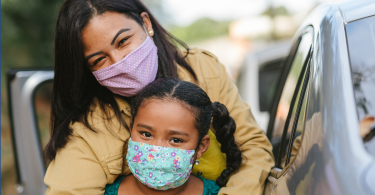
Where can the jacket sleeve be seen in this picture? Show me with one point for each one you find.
(255, 146)
(75, 170)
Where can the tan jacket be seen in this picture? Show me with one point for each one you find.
(91, 160)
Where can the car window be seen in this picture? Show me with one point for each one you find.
(294, 126)
(290, 86)
(269, 75)
(297, 120)
(361, 42)
(42, 105)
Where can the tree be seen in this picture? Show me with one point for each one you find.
(201, 29)
(276, 11)
(27, 32)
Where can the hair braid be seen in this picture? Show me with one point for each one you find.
(225, 128)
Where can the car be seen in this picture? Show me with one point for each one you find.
(27, 90)
(325, 93)
(318, 96)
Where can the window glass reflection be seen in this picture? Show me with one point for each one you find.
(290, 85)
(361, 41)
(296, 140)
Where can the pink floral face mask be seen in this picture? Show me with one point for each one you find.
(129, 75)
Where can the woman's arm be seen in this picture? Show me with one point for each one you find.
(75, 170)
(255, 146)
(90, 160)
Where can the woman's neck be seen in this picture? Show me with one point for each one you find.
(131, 185)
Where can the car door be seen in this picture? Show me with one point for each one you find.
(29, 93)
(288, 113)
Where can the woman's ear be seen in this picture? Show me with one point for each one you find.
(147, 23)
(203, 146)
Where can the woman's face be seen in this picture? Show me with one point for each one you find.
(109, 37)
(169, 124)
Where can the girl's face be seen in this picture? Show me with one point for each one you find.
(111, 36)
(169, 124)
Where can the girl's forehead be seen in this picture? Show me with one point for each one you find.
(167, 106)
(164, 115)
(169, 100)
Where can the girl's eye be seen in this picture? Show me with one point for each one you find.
(122, 41)
(97, 61)
(146, 134)
(176, 140)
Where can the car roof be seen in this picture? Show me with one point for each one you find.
(356, 9)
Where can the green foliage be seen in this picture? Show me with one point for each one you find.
(276, 11)
(27, 29)
(201, 29)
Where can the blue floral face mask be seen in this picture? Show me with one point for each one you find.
(159, 167)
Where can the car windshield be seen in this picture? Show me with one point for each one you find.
(361, 41)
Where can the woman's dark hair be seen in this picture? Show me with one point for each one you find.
(192, 96)
(74, 86)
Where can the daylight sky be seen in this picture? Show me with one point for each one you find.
(185, 12)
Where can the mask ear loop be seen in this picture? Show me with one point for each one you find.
(147, 32)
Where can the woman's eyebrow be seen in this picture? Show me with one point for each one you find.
(113, 41)
(92, 55)
(118, 33)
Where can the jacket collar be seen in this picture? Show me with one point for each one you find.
(123, 105)
(183, 74)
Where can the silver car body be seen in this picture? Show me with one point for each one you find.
(26, 142)
(331, 119)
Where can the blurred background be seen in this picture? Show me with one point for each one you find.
(233, 30)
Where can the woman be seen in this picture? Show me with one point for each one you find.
(94, 41)
(170, 122)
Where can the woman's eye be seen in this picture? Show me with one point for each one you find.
(122, 41)
(146, 134)
(97, 61)
(176, 140)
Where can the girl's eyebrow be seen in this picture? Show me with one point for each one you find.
(145, 126)
(174, 132)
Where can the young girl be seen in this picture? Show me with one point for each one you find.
(170, 122)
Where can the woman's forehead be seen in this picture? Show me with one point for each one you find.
(105, 26)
